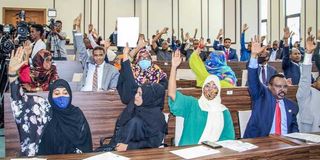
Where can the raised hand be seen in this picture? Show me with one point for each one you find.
(176, 59)
(90, 28)
(309, 31)
(310, 44)
(256, 48)
(107, 44)
(292, 34)
(245, 27)
(164, 30)
(263, 38)
(141, 43)
(219, 34)
(286, 33)
(126, 51)
(16, 61)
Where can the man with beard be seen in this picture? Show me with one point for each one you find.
(272, 113)
(265, 71)
(291, 60)
(163, 54)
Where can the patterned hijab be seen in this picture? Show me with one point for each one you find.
(39, 74)
(151, 75)
(216, 64)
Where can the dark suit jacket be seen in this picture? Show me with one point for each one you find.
(263, 109)
(271, 71)
(279, 53)
(232, 53)
(290, 69)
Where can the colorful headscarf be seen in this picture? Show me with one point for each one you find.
(216, 64)
(41, 76)
(142, 52)
(151, 75)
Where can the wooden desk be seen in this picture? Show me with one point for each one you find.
(272, 147)
(102, 109)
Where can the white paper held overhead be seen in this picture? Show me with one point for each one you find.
(128, 31)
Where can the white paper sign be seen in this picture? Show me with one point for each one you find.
(128, 31)
(194, 152)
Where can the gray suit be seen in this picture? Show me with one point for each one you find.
(309, 103)
(110, 73)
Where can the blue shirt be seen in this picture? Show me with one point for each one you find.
(284, 128)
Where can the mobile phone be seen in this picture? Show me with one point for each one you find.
(211, 144)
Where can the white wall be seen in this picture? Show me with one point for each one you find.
(206, 15)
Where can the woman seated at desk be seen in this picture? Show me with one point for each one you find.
(52, 126)
(142, 123)
(205, 119)
(214, 65)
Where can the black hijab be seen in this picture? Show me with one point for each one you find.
(68, 131)
(150, 111)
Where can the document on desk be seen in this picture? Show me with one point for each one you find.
(237, 145)
(305, 136)
(194, 152)
(107, 156)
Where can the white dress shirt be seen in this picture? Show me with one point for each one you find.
(273, 55)
(89, 79)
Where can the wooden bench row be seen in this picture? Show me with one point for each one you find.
(102, 109)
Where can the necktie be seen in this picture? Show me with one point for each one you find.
(95, 79)
(227, 54)
(278, 119)
(263, 72)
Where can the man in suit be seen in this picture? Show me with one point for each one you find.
(308, 96)
(265, 71)
(230, 53)
(272, 112)
(291, 60)
(275, 52)
(97, 74)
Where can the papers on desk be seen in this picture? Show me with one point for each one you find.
(107, 156)
(194, 152)
(305, 136)
(237, 145)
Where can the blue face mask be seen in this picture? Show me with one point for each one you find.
(144, 64)
(62, 102)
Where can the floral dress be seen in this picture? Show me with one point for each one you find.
(32, 114)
